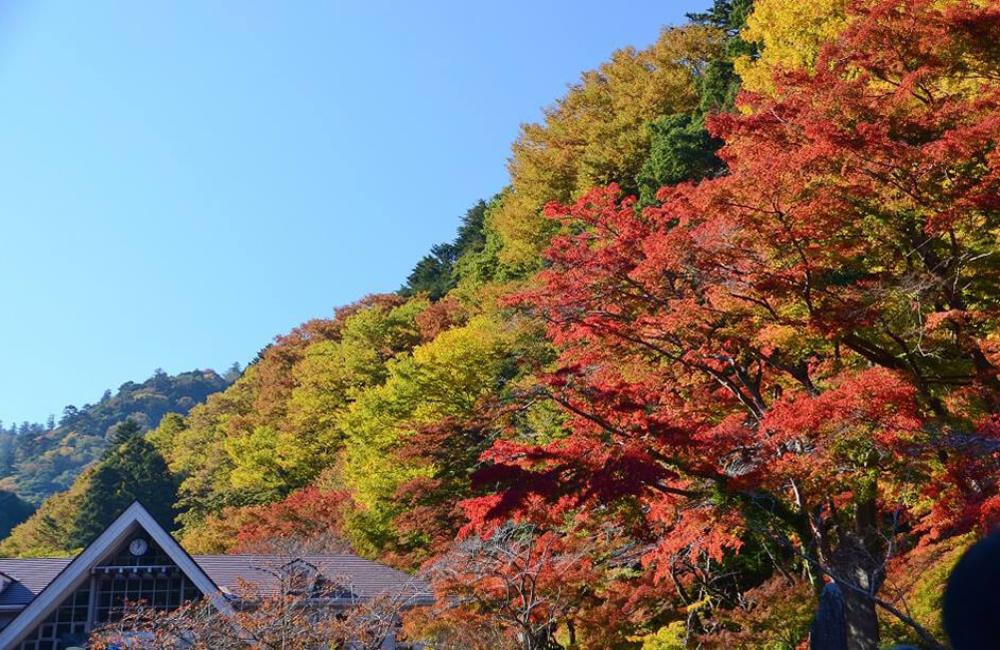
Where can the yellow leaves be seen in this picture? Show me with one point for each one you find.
(455, 369)
(322, 383)
(791, 34)
(216, 535)
(374, 335)
(244, 441)
(256, 459)
(196, 448)
(442, 379)
(669, 637)
(47, 532)
(789, 340)
(700, 605)
(597, 133)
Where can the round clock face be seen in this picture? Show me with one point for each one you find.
(138, 547)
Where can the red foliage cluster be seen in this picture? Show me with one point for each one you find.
(796, 354)
(440, 316)
(311, 517)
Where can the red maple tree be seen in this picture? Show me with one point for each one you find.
(799, 356)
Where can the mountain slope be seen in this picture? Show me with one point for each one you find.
(37, 464)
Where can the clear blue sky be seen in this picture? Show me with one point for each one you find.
(181, 180)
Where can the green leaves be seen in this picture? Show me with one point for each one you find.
(134, 472)
(680, 149)
(438, 273)
(443, 379)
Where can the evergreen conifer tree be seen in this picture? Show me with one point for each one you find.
(135, 471)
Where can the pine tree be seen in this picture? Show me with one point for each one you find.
(135, 471)
(7, 457)
(124, 432)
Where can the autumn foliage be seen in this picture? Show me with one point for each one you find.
(795, 357)
(604, 419)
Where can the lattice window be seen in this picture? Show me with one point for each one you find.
(150, 579)
(161, 589)
(65, 627)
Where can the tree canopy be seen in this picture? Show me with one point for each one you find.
(727, 342)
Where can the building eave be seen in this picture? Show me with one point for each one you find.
(78, 571)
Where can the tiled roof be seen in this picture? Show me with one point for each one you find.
(363, 577)
(29, 577)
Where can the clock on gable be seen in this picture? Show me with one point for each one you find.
(138, 547)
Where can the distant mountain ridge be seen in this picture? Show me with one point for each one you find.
(37, 461)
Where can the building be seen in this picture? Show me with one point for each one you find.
(53, 604)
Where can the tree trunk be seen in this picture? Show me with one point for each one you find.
(829, 629)
(861, 621)
(846, 619)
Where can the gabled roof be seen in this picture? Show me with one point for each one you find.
(77, 571)
(28, 577)
(364, 578)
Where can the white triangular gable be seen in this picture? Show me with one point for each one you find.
(77, 572)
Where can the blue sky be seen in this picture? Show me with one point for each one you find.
(181, 181)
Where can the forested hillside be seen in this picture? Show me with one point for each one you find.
(38, 460)
(729, 334)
